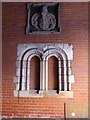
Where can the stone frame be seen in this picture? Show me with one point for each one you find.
(63, 52)
(33, 8)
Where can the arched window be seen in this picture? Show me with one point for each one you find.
(44, 67)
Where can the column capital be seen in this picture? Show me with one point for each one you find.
(59, 59)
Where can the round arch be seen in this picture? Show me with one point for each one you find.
(25, 65)
(55, 52)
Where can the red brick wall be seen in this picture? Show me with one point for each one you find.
(74, 30)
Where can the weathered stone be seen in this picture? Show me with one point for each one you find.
(64, 53)
(42, 18)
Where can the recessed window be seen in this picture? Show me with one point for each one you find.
(53, 74)
(35, 74)
(44, 70)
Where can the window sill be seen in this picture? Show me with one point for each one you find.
(48, 93)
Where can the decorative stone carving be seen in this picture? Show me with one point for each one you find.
(64, 54)
(43, 18)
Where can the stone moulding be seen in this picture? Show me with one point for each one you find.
(64, 54)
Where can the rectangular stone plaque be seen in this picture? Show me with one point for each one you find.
(43, 18)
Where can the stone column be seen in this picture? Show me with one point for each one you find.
(42, 75)
(28, 75)
(59, 70)
(46, 75)
(69, 73)
(65, 76)
(23, 84)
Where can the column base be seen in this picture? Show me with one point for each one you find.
(40, 91)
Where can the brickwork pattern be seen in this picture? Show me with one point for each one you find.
(74, 30)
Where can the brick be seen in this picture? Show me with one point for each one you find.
(74, 30)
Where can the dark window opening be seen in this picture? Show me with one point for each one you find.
(35, 73)
(53, 73)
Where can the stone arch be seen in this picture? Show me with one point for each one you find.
(64, 54)
(58, 53)
(62, 63)
(25, 67)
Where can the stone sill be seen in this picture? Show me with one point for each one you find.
(20, 118)
(46, 93)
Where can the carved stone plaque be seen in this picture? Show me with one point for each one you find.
(43, 17)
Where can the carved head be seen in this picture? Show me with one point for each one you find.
(44, 10)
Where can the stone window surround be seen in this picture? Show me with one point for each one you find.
(63, 52)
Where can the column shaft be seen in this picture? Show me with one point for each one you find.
(46, 75)
(23, 84)
(59, 70)
(65, 76)
(42, 75)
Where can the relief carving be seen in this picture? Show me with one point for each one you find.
(43, 20)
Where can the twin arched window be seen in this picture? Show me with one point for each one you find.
(42, 68)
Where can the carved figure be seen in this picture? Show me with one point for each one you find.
(44, 20)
